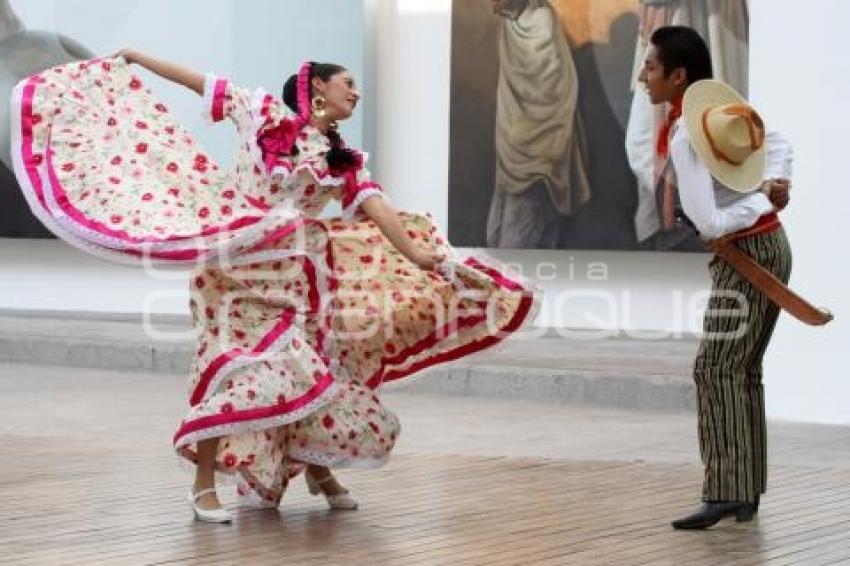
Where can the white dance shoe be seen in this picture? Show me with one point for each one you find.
(219, 515)
(342, 501)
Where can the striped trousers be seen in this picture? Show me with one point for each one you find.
(738, 324)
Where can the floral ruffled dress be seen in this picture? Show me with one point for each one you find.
(300, 320)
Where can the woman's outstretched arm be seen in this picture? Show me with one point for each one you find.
(386, 217)
(181, 75)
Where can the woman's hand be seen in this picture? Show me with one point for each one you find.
(387, 219)
(128, 54)
(165, 69)
(427, 260)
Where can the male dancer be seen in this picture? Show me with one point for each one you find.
(724, 25)
(716, 154)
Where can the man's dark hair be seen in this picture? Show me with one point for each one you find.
(680, 46)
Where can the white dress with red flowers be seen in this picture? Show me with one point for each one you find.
(300, 319)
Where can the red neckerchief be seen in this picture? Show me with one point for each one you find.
(662, 144)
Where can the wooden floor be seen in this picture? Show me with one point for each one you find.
(75, 502)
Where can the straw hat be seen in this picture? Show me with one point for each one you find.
(726, 133)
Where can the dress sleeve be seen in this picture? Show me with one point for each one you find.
(355, 194)
(223, 99)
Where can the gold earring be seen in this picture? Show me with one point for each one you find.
(318, 106)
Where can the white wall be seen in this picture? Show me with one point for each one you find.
(798, 74)
(800, 78)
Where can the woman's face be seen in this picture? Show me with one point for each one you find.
(340, 94)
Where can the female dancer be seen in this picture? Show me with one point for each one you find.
(299, 319)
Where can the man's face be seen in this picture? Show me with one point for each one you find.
(662, 88)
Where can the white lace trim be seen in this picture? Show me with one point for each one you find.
(269, 255)
(280, 215)
(336, 460)
(524, 282)
(288, 175)
(311, 155)
(350, 210)
(204, 244)
(114, 249)
(95, 237)
(207, 246)
(28, 189)
(257, 103)
(210, 80)
(527, 284)
(449, 269)
(258, 424)
(248, 359)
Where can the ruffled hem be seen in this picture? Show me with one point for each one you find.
(430, 352)
(409, 371)
(319, 399)
(238, 477)
(336, 461)
(312, 163)
(286, 171)
(246, 360)
(45, 195)
(48, 198)
(31, 189)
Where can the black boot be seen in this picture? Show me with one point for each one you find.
(748, 511)
(713, 511)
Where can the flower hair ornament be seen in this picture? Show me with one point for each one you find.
(279, 140)
(303, 89)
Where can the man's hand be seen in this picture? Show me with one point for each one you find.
(778, 191)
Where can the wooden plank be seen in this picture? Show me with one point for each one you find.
(79, 503)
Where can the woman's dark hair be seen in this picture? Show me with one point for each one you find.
(322, 70)
(680, 46)
(339, 157)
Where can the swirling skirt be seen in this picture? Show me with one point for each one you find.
(299, 323)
